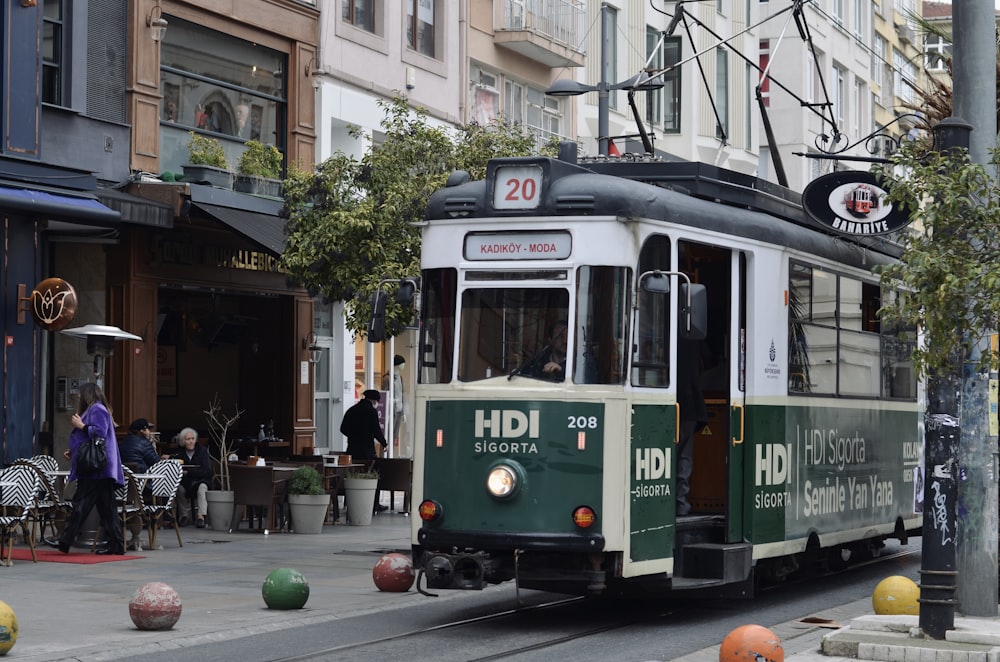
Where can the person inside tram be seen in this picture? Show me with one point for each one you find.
(550, 362)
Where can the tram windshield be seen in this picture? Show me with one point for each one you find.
(517, 329)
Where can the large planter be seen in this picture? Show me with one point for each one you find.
(359, 497)
(206, 174)
(220, 509)
(258, 185)
(308, 512)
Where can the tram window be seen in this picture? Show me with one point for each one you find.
(601, 324)
(504, 329)
(437, 325)
(650, 361)
(899, 380)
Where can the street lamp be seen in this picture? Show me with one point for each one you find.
(571, 88)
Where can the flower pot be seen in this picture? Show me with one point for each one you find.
(258, 185)
(359, 497)
(206, 174)
(220, 509)
(308, 512)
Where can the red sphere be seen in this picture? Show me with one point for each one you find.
(155, 606)
(751, 643)
(393, 573)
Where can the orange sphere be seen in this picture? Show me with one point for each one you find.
(393, 573)
(751, 643)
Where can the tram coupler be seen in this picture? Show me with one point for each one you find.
(458, 571)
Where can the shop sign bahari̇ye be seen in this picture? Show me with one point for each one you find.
(852, 203)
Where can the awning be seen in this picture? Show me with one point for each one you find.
(137, 210)
(266, 230)
(59, 205)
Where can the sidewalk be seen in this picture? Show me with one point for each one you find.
(80, 612)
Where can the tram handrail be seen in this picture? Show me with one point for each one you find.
(742, 429)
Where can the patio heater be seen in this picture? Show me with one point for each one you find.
(101, 343)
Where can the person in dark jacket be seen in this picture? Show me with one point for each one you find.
(694, 415)
(197, 476)
(136, 447)
(138, 454)
(93, 418)
(362, 428)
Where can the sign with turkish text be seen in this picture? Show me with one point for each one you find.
(852, 203)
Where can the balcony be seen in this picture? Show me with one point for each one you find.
(546, 31)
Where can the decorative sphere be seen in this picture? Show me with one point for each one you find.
(155, 606)
(393, 573)
(8, 628)
(896, 595)
(750, 643)
(285, 588)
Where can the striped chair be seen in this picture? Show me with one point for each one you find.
(51, 509)
(164, 497)
(19, 485)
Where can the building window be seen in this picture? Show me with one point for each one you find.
(809, 93)
(533, 109)
(672, 85)
(52, 52)
(838, 92)
(937, 52)
(654, 58)
(905, 73)
(861, 9)
(220, 86)
(420, 15)
(764, 58)
(837, 9)
(722, 92)
(359, 13)
(860, 101)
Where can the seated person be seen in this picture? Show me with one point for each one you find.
(197, 476)
(137, 453)
(550, 362)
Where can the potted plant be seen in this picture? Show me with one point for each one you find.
(220, 501)
(207, 161)
(359, 496)
(307, 500)
(259, 170)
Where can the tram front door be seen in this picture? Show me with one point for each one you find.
(717, 477)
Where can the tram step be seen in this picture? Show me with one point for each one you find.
(729, 562)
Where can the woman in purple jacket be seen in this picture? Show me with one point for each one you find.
(93, 419)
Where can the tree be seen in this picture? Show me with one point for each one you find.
(351, 223)
(949, 273)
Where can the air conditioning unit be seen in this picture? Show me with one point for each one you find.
(906, 34)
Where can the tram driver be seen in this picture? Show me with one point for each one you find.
(550, 362)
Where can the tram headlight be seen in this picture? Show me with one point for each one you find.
(504, 479)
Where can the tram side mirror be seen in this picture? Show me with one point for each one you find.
(657, 283)
(693, 318)
(376, 324)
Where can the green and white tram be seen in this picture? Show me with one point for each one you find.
(566, 480)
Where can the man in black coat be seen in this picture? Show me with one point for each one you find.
(136, 448)
(361, 427)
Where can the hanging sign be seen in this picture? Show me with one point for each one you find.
(53, 304)
(852, 203)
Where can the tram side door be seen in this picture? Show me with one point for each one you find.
(717, 475)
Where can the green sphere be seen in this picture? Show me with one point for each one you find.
(285, 588)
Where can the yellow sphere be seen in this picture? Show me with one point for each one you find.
(8, 628)
(896, 595)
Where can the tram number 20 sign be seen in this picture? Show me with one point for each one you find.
(517, 187)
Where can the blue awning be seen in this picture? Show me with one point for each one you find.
(62, 206)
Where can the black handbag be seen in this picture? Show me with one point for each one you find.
(92, 456)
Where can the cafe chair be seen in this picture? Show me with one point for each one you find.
(51, 510)
(19, 485)
(164, 497)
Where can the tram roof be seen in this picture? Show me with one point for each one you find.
(620, 187)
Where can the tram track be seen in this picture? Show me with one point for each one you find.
(628, 619)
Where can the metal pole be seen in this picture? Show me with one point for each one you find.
(603, 101)
(974, 99)
(942, 433)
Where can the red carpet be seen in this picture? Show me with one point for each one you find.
(74, 556)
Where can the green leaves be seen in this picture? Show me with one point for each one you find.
(950, 269)
(351, 223)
